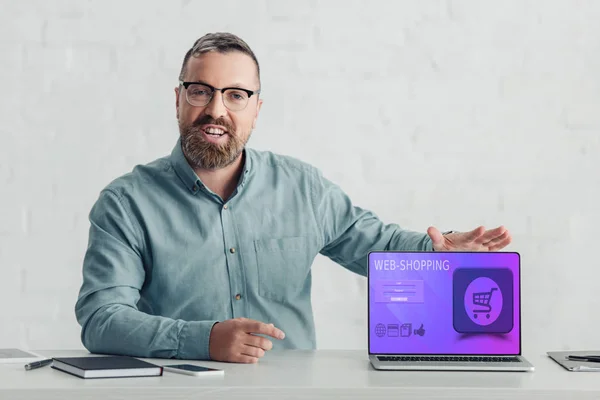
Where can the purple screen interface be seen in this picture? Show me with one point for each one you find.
(444, 303)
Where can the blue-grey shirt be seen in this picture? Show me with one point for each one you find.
(167, 258)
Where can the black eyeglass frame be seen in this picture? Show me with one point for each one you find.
(222, 90)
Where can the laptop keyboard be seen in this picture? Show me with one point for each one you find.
(494, 359)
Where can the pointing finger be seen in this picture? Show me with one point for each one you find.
(265, 329)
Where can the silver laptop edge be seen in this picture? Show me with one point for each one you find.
(521, 366)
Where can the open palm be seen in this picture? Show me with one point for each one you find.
(478, 239)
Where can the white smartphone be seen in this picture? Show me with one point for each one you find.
(195, 370)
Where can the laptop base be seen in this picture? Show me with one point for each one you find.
(521, 365)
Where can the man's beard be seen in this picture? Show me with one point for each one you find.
(206, 155)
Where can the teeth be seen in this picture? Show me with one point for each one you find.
(214, 131)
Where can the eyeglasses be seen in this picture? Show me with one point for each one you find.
(200, 94)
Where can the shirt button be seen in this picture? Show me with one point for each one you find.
(225, 206)
(195, 188)
(232, 250)
(238, 296)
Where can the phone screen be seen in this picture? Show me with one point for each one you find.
(190, 367)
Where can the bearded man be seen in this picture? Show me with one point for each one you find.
(206, 253)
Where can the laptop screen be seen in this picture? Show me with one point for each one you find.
(444, 303)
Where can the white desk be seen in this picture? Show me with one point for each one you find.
(304, 375)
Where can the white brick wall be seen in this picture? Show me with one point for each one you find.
(453, 113)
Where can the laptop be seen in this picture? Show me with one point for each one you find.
(445, 311)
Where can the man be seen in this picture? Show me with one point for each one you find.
(206, 253)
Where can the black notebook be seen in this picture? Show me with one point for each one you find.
(106, 367)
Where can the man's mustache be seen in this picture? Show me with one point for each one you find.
(207, 119)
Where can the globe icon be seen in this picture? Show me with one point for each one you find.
(380, 330)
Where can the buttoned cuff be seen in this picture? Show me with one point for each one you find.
(194, 340)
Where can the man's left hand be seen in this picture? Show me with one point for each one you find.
(478, 239)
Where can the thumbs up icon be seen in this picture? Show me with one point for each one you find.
(420, 331)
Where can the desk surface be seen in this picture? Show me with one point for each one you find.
(302, 374)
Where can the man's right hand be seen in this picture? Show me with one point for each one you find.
(235, 340)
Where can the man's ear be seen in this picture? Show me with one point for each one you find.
(258, 106)
(177, 102)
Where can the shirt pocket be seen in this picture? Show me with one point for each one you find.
(283, 265)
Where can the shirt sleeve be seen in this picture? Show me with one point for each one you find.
(349, 232)
(113, 275)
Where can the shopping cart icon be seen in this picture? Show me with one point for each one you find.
(482, 299)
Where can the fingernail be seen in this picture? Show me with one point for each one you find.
(281, 335)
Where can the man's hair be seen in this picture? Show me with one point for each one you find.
(221, 42)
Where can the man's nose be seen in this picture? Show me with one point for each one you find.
(215, 108)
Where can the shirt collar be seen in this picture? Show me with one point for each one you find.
(187, 174)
